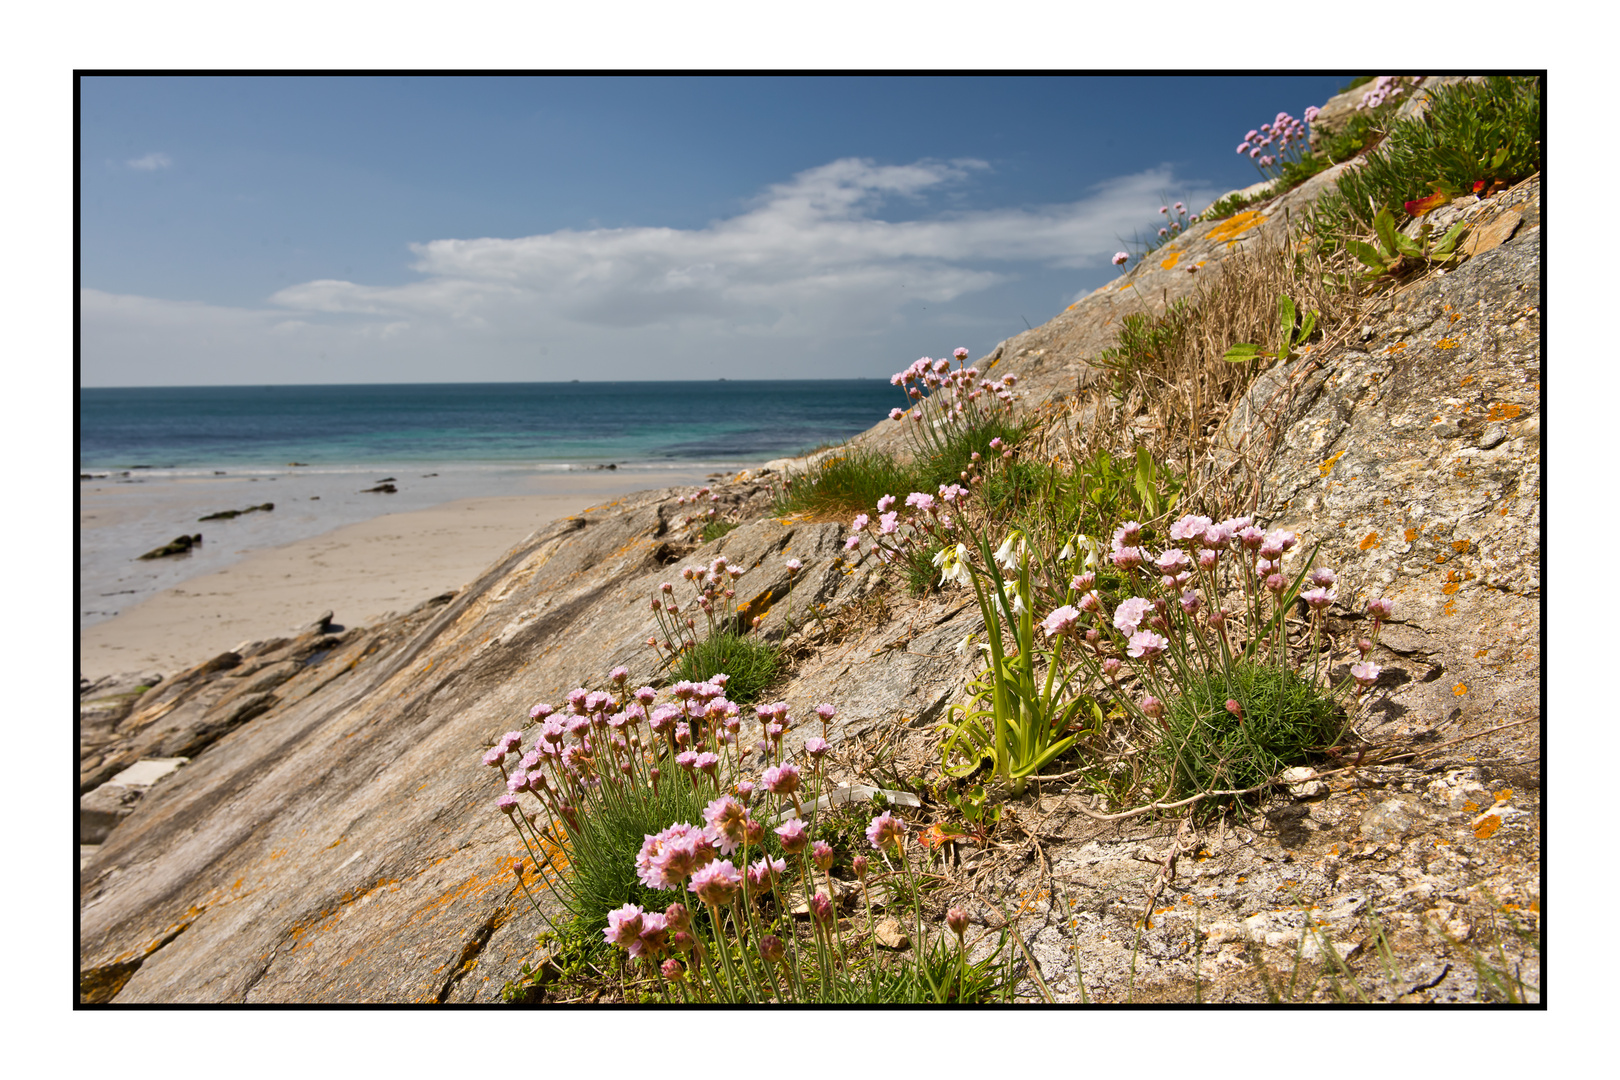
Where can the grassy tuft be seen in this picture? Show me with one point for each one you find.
(1286, 721)
(753, 665)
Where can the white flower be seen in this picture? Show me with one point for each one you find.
(1011, 552)
(952, 563)
(1017, 598)
(964, 645)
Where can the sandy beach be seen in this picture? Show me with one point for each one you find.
(359, 571)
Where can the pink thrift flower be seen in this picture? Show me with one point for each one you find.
(1380, 609)
(1317, 598)
(506, 804)
(781, 779)
(1173, 561)
(921, 500)
(653, 942)
(884, 504)
(511, 740)
(826, 711)
(1061, 621)
(619, 674)
(821, 908)
(885, 828)
(540, 712)
(624, 926)
(957, 920)
(816, 746)
(888, 523)
(765, 872)
(1324, 577)
(725, 817)
(1145, 645)
(1120, 258)
(821, 853)
(495, 757)
(1365, 673)
(1152, 707)
(1234, 708)
(1127, 558)
(717, 883)
(961, 354)
(1091, 603)
(792, 834)
(1189, 602)
(1110, 667)
(859, 523)
(1130, 613)
(771, 949)
(1083, 582)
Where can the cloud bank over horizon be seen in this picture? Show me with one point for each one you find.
(844, 270)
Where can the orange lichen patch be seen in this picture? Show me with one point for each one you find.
(1368, 541)
(1503, 411)
(1327, 466)
(1441, 558)
(1455, 317)
(1504, 795)
(1481, 652)
(1450, 587)
(1412, 533)
(1397, 347)
(1449, 608)
(1235, 226)
(1470, 807)
(1460, 546)
(1460, 689)
(1466, 380)
(1170, 263)
(1446, 343)
(1485, 828)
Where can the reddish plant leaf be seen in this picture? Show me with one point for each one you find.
(1419, 207)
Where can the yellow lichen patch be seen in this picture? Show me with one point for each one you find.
(1397, 347)
(1170, 263)
(1470, 807)
(1504, 795)
(1446, 343)
(1485, 828)
(1368, 541)
(1327, 466)
(1235, 226)
(1412, 534)
(1503, 411)
(1460, 689)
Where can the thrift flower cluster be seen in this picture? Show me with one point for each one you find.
(1283, 139)
(954, 391)
(1383, 88)
(713, 599)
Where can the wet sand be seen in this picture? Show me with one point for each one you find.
(360, 572)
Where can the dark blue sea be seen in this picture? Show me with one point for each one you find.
(182, 429)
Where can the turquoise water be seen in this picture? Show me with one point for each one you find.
(154, 460)
(630, 423)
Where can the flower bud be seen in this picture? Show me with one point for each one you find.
(957, 920)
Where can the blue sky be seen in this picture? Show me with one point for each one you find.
(381, 229)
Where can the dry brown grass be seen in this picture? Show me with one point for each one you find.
(1174, 396)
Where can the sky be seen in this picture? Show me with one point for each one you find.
(352, 229)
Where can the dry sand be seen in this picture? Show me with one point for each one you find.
(359, 572)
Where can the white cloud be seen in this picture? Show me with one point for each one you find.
(809, 266)
(151, 162)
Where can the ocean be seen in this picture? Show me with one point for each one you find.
(153, 460)
(195, 430)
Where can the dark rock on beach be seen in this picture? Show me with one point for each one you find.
(180, 545)
(386, 489)
(226, 515)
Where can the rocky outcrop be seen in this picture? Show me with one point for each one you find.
(333, 836)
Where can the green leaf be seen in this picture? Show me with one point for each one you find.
(1384, 223)
(1285, 327)
(1368, 254)
(1448, 242)
(1407, 246)
(1306, 328)
(1242, 353)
